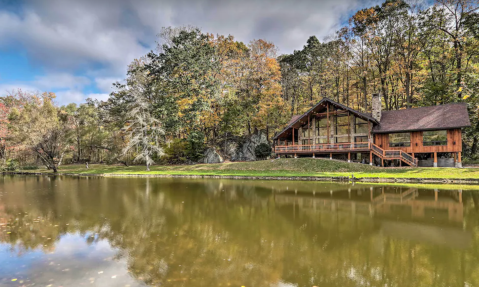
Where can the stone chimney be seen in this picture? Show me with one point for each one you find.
(376, 107)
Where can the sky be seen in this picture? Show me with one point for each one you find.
(77, 49)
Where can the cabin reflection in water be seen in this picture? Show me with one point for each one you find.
(430, 216)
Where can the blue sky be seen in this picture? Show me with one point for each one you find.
(77, 49)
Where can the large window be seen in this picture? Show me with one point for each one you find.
(305, 132)
(432, 138)
(305, 129)
(342, 140)
(361, 139)
(362, 126)
(400, 140)
(342, 126)
(322, 140)
(322, 127)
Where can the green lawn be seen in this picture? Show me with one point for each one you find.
(281, 167)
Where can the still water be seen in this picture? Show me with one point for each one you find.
(67, 231)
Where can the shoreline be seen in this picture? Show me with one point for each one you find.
(472, 181)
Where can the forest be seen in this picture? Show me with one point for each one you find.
(198, 90)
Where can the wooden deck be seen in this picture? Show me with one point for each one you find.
(324, 148)
(347, 148)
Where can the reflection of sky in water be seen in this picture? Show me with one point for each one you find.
(72, 262)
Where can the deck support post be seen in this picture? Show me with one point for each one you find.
(328, 125)
(435, 159)
(370, 158)
(330, 155)
(293, 136)
(314, 155)
(309, 129)
(295, 156)
(458, 162)
(349, 157)
(382, 162)
(349, 128)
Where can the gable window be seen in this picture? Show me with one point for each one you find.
(433, 138)
(400, 140)
(362, 126)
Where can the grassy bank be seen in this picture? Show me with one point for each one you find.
(281, 168)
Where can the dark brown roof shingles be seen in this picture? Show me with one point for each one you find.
(425, 118)
(293, 119)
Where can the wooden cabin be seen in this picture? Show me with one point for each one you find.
(426, 136)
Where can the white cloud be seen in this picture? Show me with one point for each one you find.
(100, 97)
(69, 96)
(75, 96)
(106, 84)
(5, 89)
(98, 39)
(61, 80)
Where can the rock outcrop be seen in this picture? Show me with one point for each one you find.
(245, 151)
(211, 156)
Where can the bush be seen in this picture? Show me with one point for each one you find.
(175, 152)
(262, 151)
(30, 167)
(11, 165)
(196, 146)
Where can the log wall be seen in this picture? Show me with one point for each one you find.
(454, 143)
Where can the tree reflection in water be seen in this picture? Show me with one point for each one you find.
(173, 232)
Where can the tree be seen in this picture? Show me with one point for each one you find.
(43, 128)
(4, 111)
(144, 131)
(183, 74)
(453, 17)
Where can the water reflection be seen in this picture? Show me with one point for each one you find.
(172, 232)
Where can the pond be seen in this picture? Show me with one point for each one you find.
(67, 231)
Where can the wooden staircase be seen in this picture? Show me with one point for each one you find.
(394, 154)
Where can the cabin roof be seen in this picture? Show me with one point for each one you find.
(425, 118)
(293, 119)
(297, 118)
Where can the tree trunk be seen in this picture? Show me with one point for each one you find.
(408, 93)
(458, 47)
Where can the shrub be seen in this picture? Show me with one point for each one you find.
(30, 167)
(262, 151)
(11, 165)
(176, 152)
(196, 146)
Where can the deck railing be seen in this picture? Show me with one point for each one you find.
(394, 154)
(360, 146)
(324, 147)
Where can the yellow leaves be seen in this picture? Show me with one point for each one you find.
(466, 97)
(460, 89)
